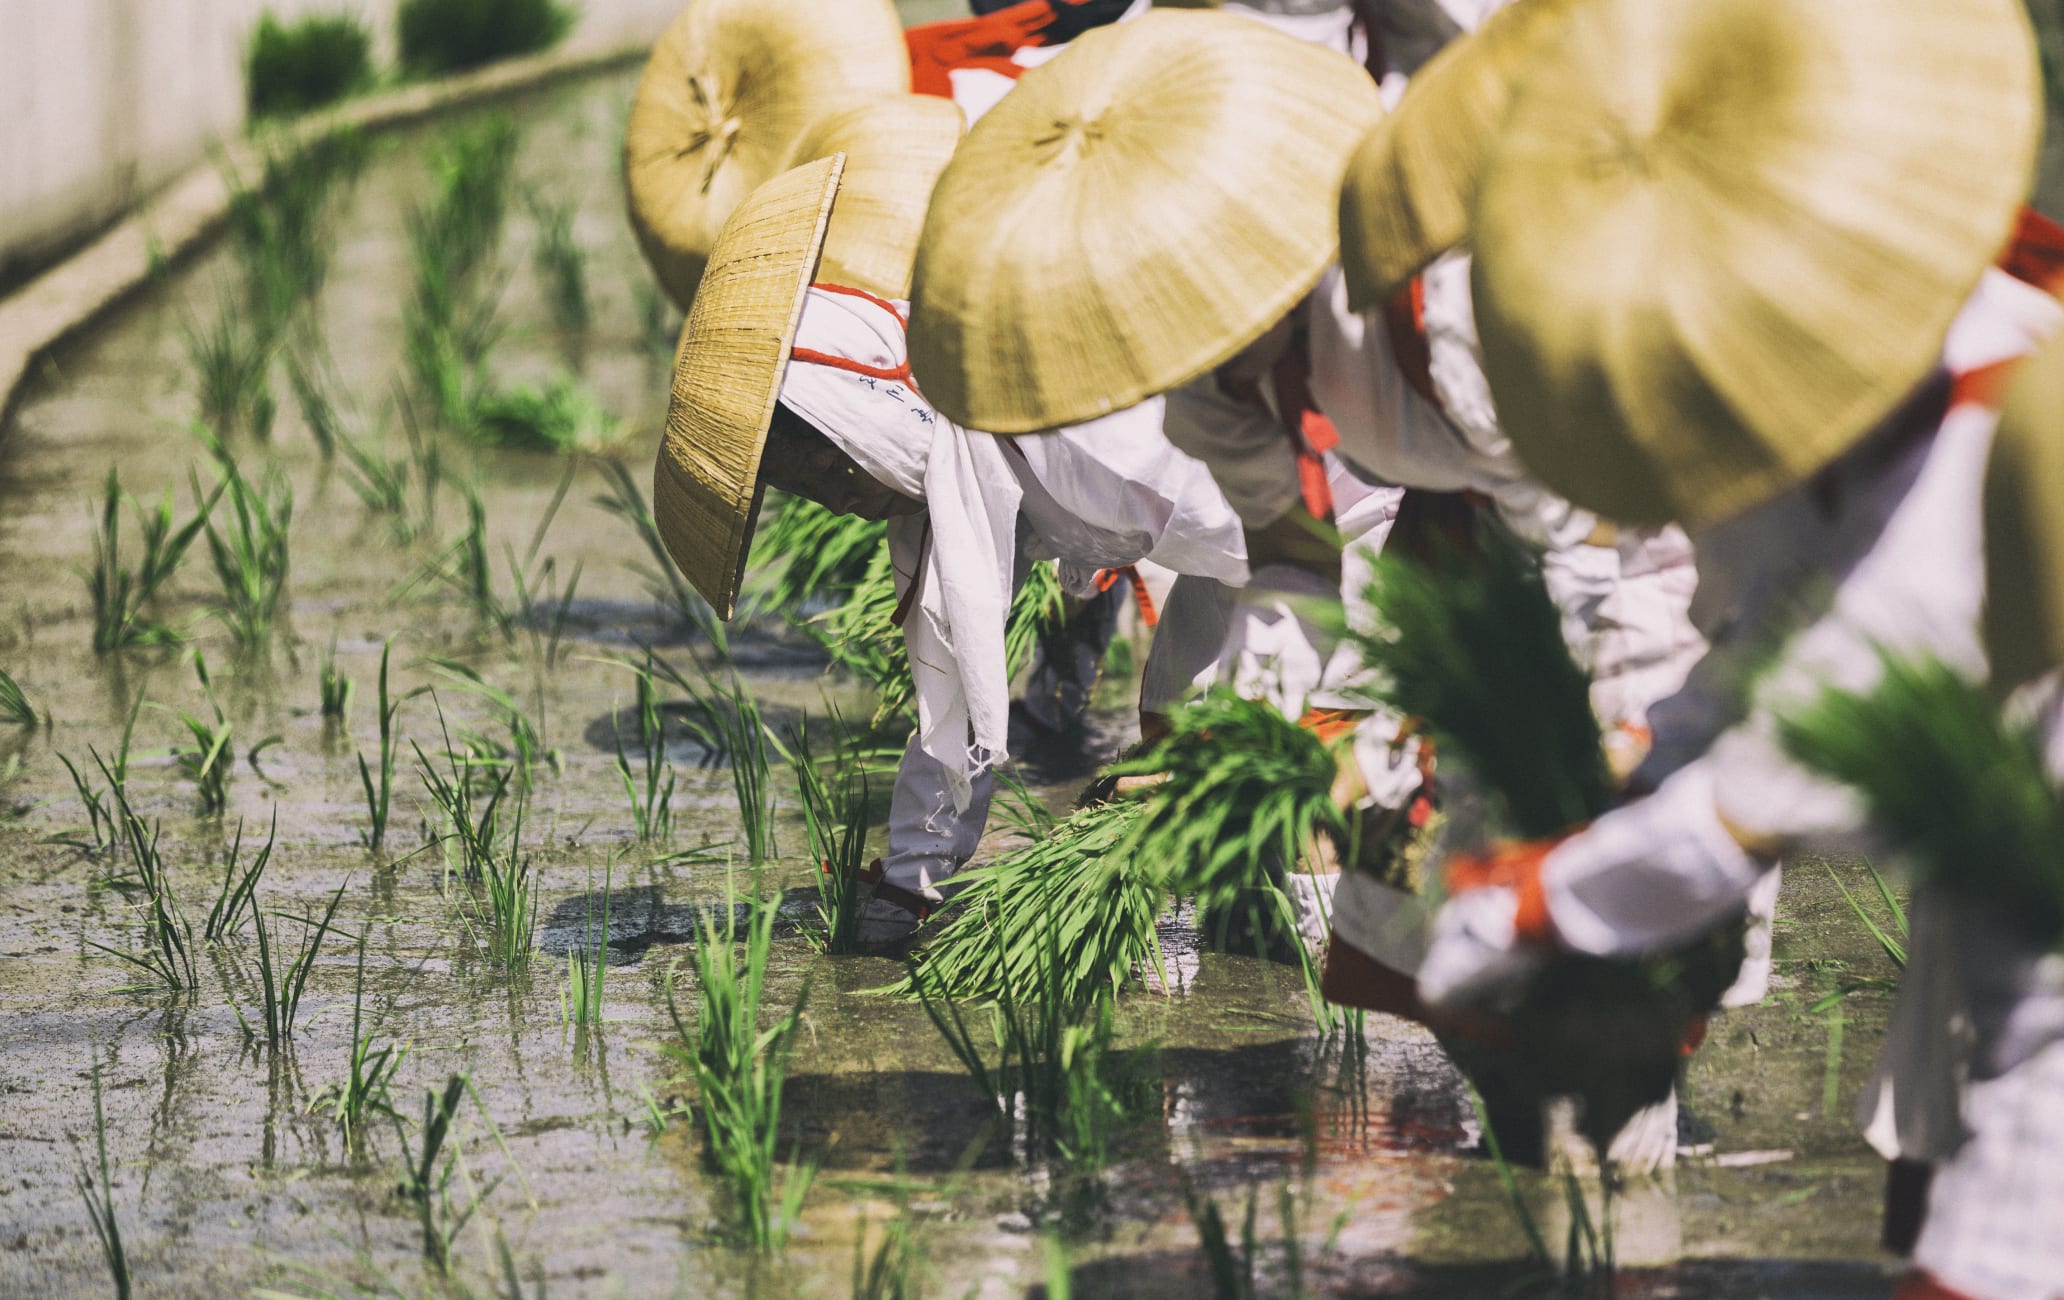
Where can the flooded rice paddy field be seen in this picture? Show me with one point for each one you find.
(229, 1173)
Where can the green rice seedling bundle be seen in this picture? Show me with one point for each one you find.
(1082, 896)
(312, 61)
(1963, 789)
(1247, 792)
(741, 1070)
(805, 555)
(1471, 644)
(1058, 1080)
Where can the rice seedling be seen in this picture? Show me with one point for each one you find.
(1232, 1272)
(1247, 794)
(318, 408)
(1472, 644)
(1963, 790)
(121, 595)
(167, 952)
(626, 501)
(210, 760)
(440, 36)
(835, 816)
(1019, 809)
(333, 689)
(805, 555)
(100, 817)
(97, 1188)
(1057, 1080)
(561, 263)
(465, 566)
(560, 417)
(1892, 935)
(744, 737)
(426, 1184)
(15, 709)
(367, 1090)
(659, 323)
(474, 822)
(315, 60)
(233, 364)
(740, 1070)
(380, 482)
(543, 605)
(587, 963)
(1081, 890)
(380, 794)
(651, 799)
(250, 552)
(238, 896)
(525, 747)
(1508, 1181)
(280, 986)
(281, 230)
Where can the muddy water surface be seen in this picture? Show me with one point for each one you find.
(228, 1176)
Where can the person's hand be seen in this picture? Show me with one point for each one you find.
(1493, 934)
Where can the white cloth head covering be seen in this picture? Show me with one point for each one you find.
(959, 552)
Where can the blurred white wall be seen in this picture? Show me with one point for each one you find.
(102, 101)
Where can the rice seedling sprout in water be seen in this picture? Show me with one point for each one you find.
(232, 363)
(626, 500)
(283, 978)
(122, 596)
(250, 551)
(835, 816)
(562, 264)
(96, 1187)
(650, 795)
(587, 962)
(168, 946)
(333, 688)
(559, 417)
(210, 760)
(366, 1091)
(15, 709)
(237, 898)
(428, 1171)
(740, 1070)
(379, 793)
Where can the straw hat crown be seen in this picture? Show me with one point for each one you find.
(2024, 527)
(1718, 240)
(1130, 215)
(895, 147)
(1411, 185)
(728, 91)
(727, 376)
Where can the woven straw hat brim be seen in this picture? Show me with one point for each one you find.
(1129, 216)
(1411, 185)
(727, 377)
(1717, 241)
(895, 148)
(728, 91)
(2024, 527)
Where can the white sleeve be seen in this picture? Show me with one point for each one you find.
(1245, 449)
(928, 840)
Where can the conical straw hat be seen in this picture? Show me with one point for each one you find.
(1412, 183)
(895, 147)
(2024, 527)
(1718, 240)
(728, 91)
(727, 376)
(1129, 216)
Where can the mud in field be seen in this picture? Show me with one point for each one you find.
(230, 1175)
